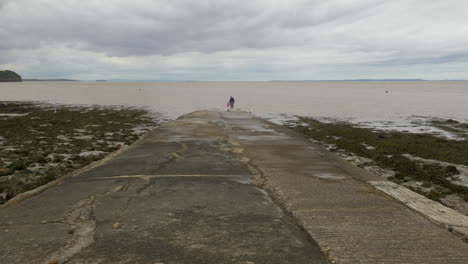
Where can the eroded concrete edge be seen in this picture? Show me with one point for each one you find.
(276, 195)
(432, 210)
(437, 213)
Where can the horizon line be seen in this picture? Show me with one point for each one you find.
(171, 80)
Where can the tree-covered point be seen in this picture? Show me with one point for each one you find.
(9, 76)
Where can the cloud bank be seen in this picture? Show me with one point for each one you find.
(229, 40)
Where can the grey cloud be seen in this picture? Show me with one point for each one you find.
(259, 35)
(2, 3)
(162, 27)
(455, 57)
(320, 12)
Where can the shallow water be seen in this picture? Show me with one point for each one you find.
(381, 104)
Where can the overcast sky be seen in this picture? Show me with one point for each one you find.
(235, 40)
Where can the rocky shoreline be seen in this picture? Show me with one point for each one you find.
(41, 142)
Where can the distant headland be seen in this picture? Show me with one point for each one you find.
(377, 80)
(49, 80)
(10, 76)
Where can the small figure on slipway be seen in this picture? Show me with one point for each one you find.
(231, 102)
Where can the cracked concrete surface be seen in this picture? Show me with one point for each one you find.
(216, 187)
(182, 194)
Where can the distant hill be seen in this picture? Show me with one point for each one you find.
(49, 80)
(10, 76)
(357, 80)
(386, 80)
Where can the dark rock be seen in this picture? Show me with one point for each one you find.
(5, 171)
(40, 158)
(451, 121)
(398, 181)
(17, 165)
(4, 180)
(426, 185)
(381, 136)
(444, 191)
(452, 170)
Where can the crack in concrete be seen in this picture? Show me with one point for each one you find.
(80, 217)
(171, 157)
(82, 223)
(121, 188)
(145, 186)
(183, 149)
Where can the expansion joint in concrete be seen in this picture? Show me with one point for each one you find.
(261, 181)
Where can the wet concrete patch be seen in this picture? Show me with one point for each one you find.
(262, 137)
(330, 176)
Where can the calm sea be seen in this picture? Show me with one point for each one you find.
(386, 103)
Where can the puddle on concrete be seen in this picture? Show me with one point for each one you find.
(244, 179)
(330, 176)
(258, 128)
(199, 122)
(237, 115)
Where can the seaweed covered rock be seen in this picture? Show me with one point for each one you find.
(10, 76)
(5, 171)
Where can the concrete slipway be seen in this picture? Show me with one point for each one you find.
(227, 187)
